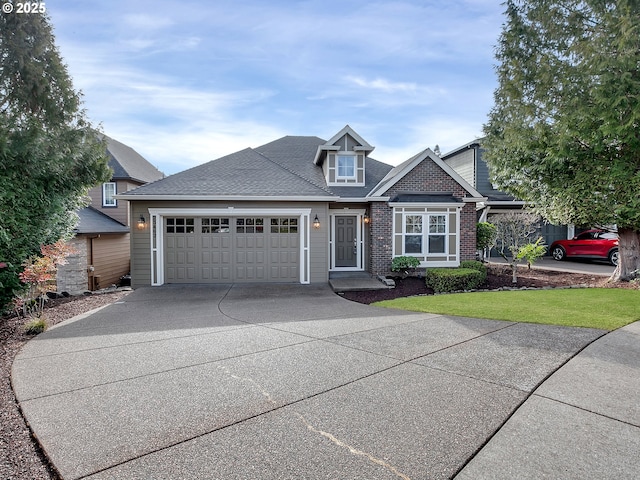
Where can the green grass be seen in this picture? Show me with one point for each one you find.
(604, 308)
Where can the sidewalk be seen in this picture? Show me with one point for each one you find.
(569, 266)
(582, 423)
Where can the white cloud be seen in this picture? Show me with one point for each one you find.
(146, 22)
(184, 84)
(446, 132)
(176, 149)
(384, 85)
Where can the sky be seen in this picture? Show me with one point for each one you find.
(186, 82)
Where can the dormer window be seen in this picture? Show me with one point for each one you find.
(343, 159)
(346, 167)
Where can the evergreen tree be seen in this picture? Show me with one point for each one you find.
(564, 131)
(50, 155)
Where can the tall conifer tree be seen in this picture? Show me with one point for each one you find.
(50, 154)
(564, 133)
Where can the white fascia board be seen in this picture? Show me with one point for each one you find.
(351, 200)
(390, 182)
(229, 211)
(438, 161)
(352, 133)
(324, 148)
(367, 149)
(196, 198)
(377, 199)
(426, 204)
(507, 203)
(474, 199)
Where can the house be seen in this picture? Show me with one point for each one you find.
(101, 238)
(467, 161)
(297, 209)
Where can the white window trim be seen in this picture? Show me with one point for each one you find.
(425, 234)
(406, 234)
(104, 194)
(156, 234)
(347, 181)
(354, 158)
(428, 211)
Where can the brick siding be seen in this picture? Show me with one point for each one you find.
(427, 176)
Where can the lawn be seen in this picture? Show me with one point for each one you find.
(604, 308)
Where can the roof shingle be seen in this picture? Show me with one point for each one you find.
(127, 164)
(93, 221)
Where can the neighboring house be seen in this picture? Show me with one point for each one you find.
(467, 161)
(102, 235)
(295, 210)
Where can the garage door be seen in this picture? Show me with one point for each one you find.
(231, 249)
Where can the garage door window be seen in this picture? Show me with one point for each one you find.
(215, 225)
(284, 225)
(181, 225)
(250, 225)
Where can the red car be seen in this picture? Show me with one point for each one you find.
(599, 244)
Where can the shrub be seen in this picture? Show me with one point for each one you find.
(39, 276)
(35, 326)
(485, 236)
(10, 285)
(444, 280)
(404, 264)
(475, 265)
(532, 252)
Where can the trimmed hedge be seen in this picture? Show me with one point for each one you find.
(475, 265)
(445, 280)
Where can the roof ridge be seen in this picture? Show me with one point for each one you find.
(297, 174)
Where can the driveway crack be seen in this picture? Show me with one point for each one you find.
(332, 438)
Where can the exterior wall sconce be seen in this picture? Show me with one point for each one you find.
(366, 219)
(316, 222)
(142, 222)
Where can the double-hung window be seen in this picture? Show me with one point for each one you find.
(346, 166)
(413, 234)
(437, 234)
(419, 240)
(108, 195)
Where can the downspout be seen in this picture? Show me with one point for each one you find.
(90, 268)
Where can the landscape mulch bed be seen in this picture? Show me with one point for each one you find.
(21, 457)
(499, 276)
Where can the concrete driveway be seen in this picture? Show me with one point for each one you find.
(292, 381)
(589, 267)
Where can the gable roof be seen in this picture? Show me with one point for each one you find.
(93, 221)
(244, 174)
(284, 169)
(127, 164)
(329, 145)
(473, 143)
(399, 172)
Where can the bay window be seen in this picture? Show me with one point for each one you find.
(429, 233)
